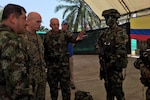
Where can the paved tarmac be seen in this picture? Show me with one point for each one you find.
(86, 72)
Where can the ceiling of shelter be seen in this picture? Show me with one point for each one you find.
(141, 7)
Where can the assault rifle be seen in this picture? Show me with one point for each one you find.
(102, 58)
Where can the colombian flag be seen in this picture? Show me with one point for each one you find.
(140, 28)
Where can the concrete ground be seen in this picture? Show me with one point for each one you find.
(86, 72)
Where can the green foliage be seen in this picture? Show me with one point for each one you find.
(79, 15)
(1, 11)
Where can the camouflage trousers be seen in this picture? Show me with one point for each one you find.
(114, 86)
(5, 96)
(23, 98)
(39, 92)
(59, 75)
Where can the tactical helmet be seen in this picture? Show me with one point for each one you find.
(111, 12)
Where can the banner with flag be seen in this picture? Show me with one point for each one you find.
(140, 28)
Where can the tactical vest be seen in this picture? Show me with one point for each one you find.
(113, 43)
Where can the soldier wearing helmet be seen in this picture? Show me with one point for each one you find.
(113, 55)
(111, 12)
(111, 16)
(143, 64)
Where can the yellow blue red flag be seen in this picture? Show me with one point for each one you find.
(140, 28)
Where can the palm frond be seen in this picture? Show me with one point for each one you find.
(78, 14)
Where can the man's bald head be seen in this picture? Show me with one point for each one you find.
(34, 20)
(54, 24)
(54, 20)
(32, 15)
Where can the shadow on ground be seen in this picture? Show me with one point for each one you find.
(86, 72)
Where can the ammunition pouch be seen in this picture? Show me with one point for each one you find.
(121, 63)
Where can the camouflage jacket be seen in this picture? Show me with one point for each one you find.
(56, 46)
(13, 65)
(35, 50)
(112, 46)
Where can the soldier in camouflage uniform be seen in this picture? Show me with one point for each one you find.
(14, 72)
(65, 28)
(35, 50)
(57, 59)
(113, 55)
(143, 64)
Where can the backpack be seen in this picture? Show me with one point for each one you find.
(83, 95)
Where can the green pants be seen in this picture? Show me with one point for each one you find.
(58, 75)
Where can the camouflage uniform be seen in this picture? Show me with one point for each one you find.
(113, 58)
(37, 65)
(13, 67)
(57, 59)
(143, 64)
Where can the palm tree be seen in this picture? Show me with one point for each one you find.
(1, 11)
(79, 15)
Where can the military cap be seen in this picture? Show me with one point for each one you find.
(111, 12)
(64, 22)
